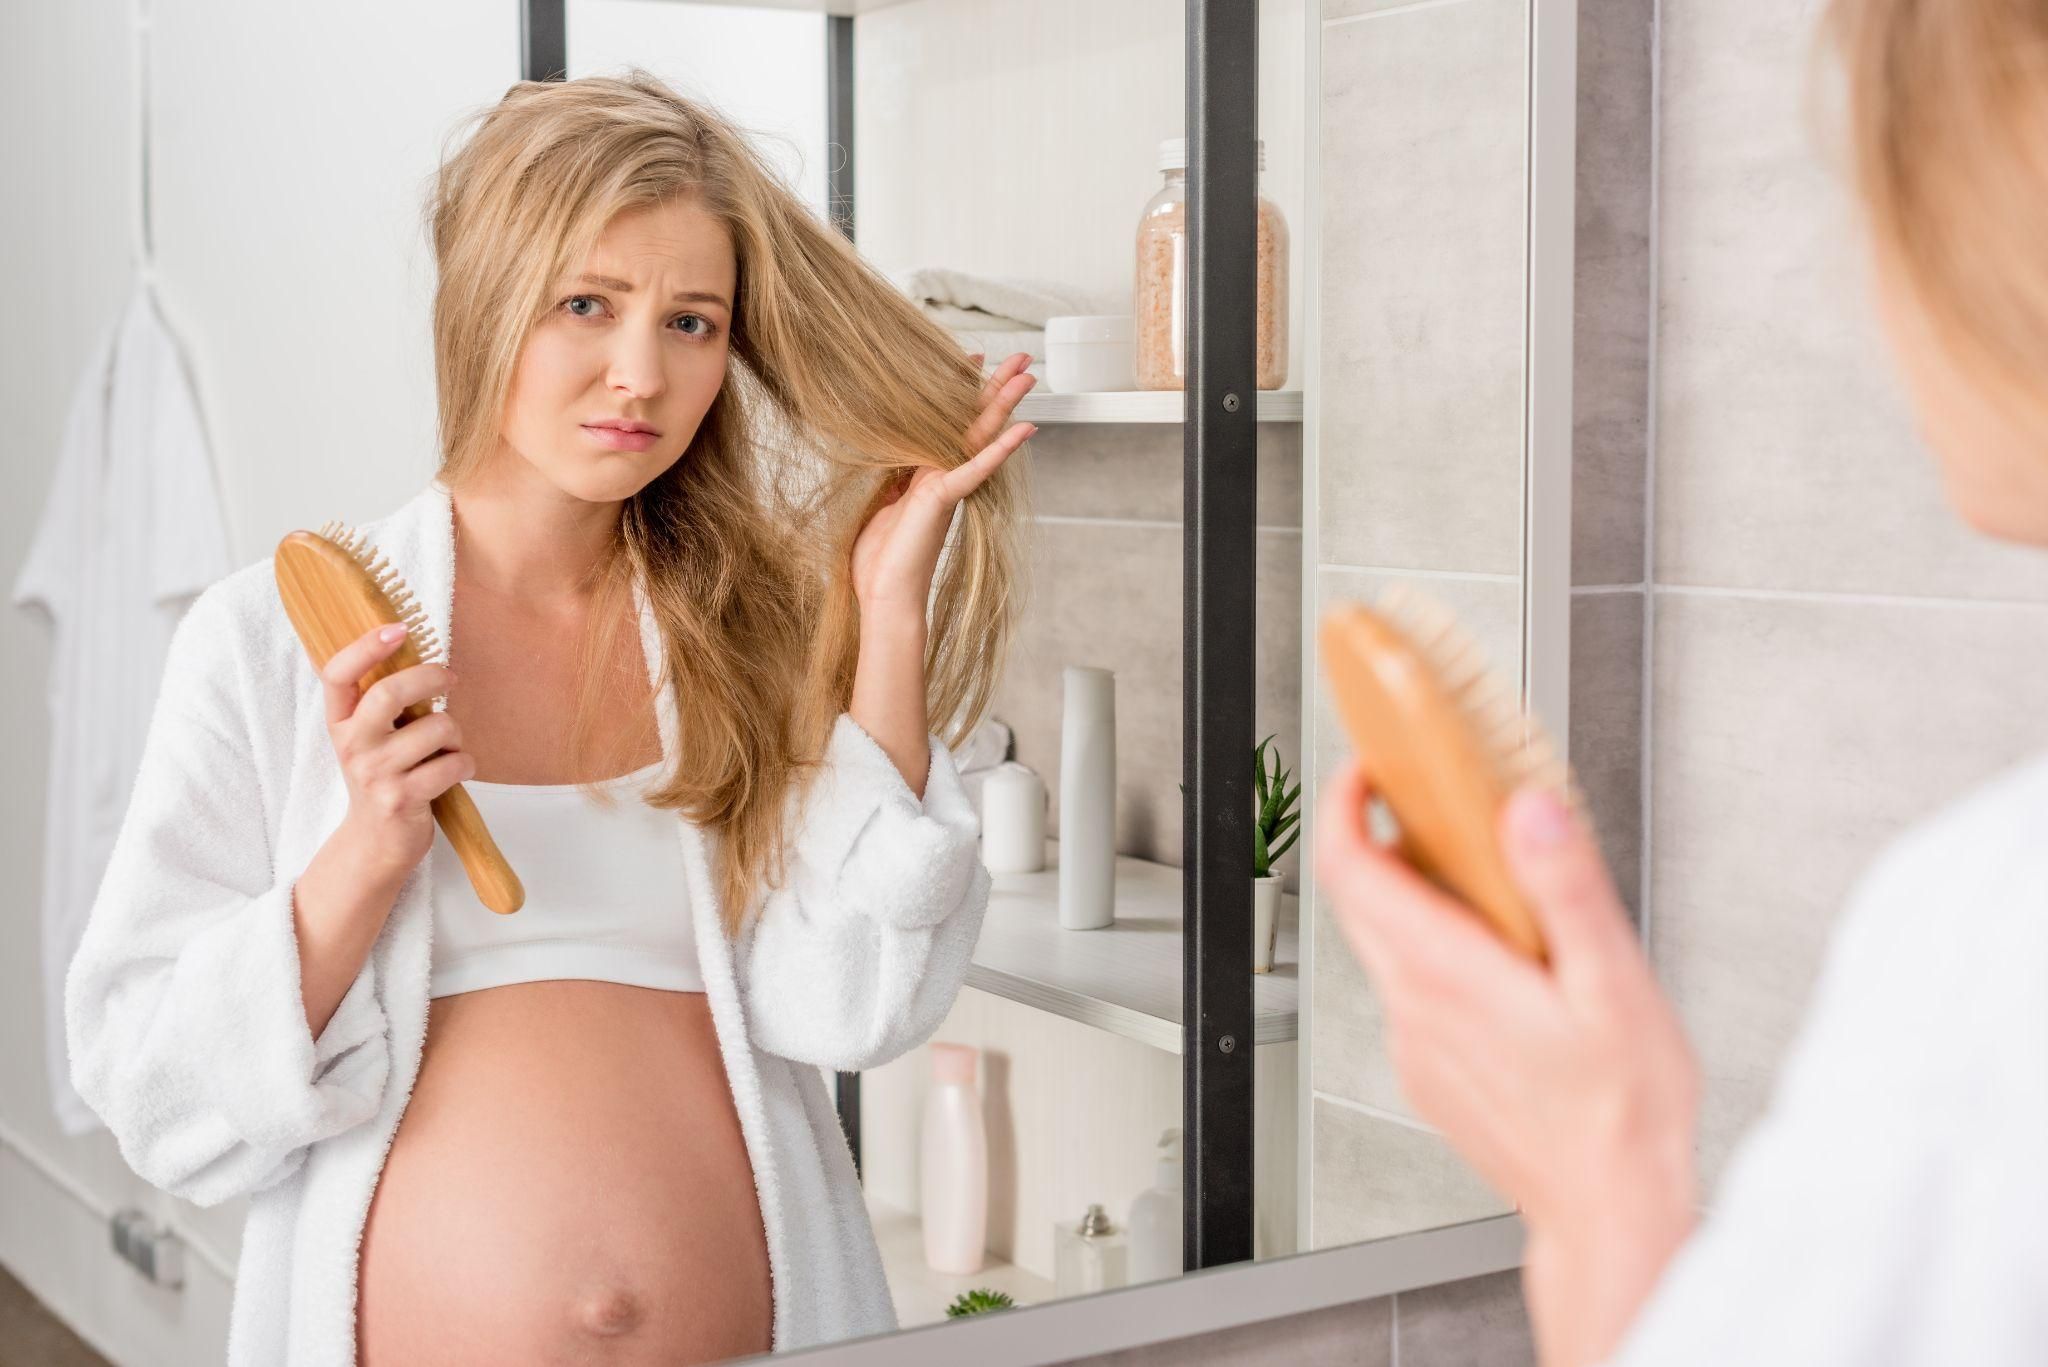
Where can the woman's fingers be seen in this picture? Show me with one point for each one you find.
(1000, 395)
(962, 480)
(341, 676)
(1396, 919)
(1555, 859)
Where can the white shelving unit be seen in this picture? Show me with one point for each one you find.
(1125, 978)
(1141, 405)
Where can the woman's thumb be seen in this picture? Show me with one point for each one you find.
(1554, 858)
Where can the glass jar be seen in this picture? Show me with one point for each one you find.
(1159, 301)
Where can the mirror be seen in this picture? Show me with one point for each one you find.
(1412, 425)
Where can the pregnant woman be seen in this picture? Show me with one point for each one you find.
(698, 467)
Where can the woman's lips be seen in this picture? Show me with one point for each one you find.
(618, 440)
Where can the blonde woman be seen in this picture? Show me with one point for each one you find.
(1888, 1208)
(688, 543)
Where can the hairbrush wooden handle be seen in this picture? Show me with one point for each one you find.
(335, 593)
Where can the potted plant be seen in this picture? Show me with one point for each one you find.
(1276, 819)
(979, 1301)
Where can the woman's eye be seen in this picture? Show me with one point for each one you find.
(704, 331)
(574, 299)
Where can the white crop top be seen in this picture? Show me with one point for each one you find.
(607, 895)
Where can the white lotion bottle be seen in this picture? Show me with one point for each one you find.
(954, 1183)
(1155, 1222)
(1088, 799)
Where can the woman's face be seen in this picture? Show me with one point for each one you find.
(636, 335)
(1994, 468)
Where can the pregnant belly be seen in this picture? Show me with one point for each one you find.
(568, 1184)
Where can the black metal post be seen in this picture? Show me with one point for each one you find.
(1221, 449)
(543, 40)
(839, 204)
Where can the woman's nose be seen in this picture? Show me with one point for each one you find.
(636, 365)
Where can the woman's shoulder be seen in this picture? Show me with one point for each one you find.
(1991, 834)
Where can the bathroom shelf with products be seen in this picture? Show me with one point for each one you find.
(1126, 978)
(1142, 405)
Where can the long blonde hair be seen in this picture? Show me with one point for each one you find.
(836, 384)
(1947, 127)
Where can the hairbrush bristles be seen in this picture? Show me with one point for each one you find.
(1515, 741)
(426, 642)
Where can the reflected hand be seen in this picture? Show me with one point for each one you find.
(1571, 1089)
(897, 551)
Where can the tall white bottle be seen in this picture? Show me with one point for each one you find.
(955, 1162)
(1088, 799)
(1155, 1223)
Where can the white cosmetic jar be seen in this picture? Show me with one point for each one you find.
(1088, 353)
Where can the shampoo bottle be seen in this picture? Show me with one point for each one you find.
(954, 1148)
(1155, 1223)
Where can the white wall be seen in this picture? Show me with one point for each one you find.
(291, 146)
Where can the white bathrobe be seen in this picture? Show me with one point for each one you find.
(187, 1028)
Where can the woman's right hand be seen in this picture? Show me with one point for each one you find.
(394, 771)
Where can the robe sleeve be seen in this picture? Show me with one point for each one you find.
(856, 958)
(183, 1011)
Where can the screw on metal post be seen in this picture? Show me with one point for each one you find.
(1230, 403)
(1228, 1044)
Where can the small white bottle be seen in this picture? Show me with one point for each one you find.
(1088, 1255)
(1155, 1222)
(954, 1182)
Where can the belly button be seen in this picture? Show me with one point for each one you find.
(608, 1310)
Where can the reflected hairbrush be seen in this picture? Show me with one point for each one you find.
(335, 589)
(1445, 744)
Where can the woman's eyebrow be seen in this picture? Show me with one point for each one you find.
(612, 282)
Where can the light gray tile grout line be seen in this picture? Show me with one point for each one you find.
(1882, 600)
(1376, 1112)
(1469, 576)
(1142, 523)
(1596, 590)
(1407, 8)
(1645, 843)
(1394, 1331)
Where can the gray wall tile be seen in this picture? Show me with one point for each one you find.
(1422, 318)
(1480, 1322)
(1607, 727)
(1355, 1335)
(1134, 470)
(1792, 738)
(1110, 595)
(1375, 1177)
(1611, 292)
(1786, 453)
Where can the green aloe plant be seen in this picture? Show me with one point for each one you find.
(1277, 816)
(977, 1301)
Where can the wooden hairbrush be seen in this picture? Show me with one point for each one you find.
(1445, 744)
(336, 589)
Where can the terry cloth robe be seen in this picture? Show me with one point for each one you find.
(131, 530)
(188, 1033)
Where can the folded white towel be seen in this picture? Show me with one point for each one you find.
(1000, 305)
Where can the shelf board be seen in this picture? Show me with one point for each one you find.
(1142, 405)
(922, 1295)
(1125, 978)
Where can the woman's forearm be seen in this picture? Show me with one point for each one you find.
(339, 906)
(888, 693)
(1585, 1287)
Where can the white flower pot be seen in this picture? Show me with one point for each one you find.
(1265, 920)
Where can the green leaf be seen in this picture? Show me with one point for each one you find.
(978, 1301)
(1284, 848)
(1259, 860)
(1259, 774)
(1281, 827)
(1287, 802)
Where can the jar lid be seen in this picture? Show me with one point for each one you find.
(1173, 154)
(1089, 327)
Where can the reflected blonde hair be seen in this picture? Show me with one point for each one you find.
(836, 384)
(1947, 131)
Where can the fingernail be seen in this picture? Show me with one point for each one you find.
(1541, 818)
(390, 634)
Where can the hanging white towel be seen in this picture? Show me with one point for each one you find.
(130, 532)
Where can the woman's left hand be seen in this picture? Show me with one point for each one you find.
(897, 552)
(1569, 1087)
